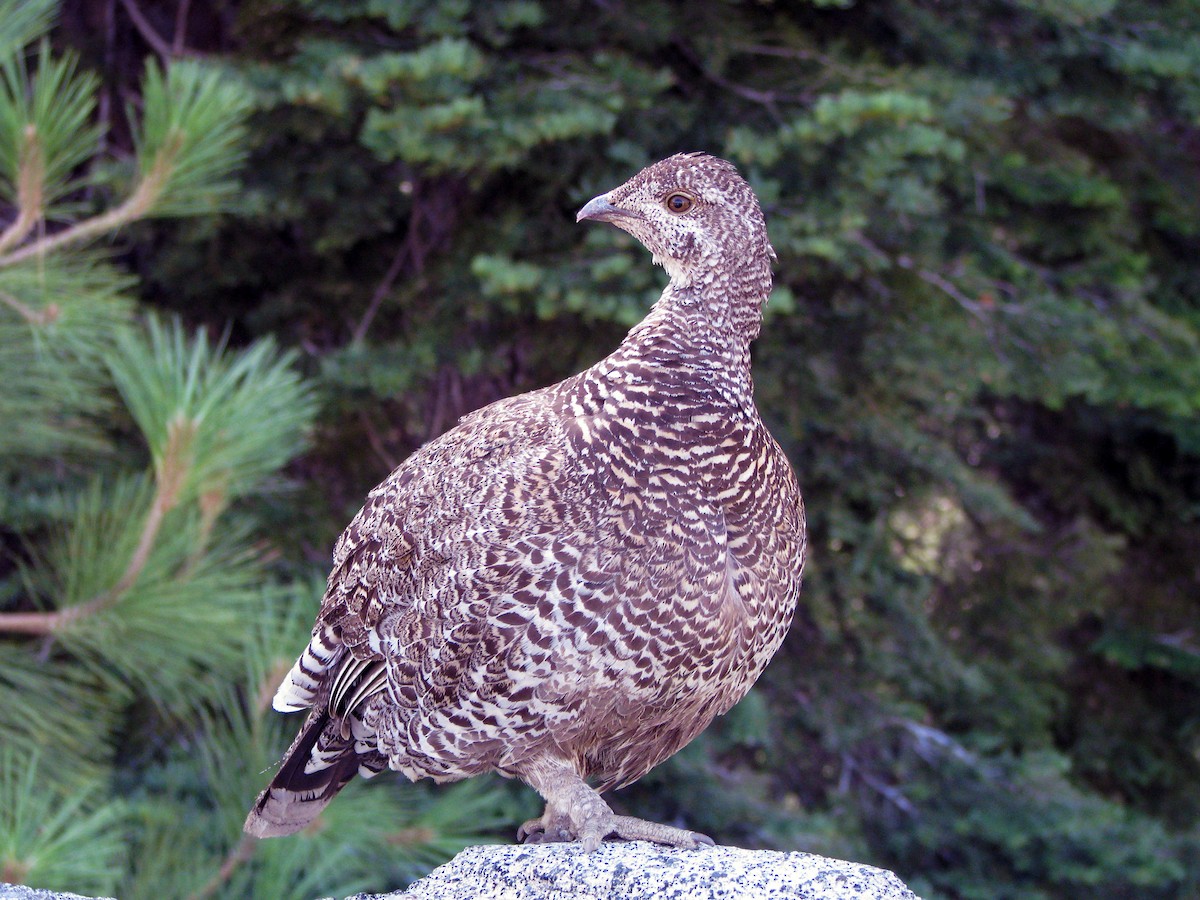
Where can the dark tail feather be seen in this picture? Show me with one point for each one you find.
(295, 797)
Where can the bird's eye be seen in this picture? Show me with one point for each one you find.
(679, 202)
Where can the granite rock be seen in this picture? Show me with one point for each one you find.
(625, 871)
(641, 871)
(21, 892)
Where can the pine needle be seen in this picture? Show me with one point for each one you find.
(54, 838)
(190, 140)
(22, 22)
(46, 132)
(54, 703)
(218, 423)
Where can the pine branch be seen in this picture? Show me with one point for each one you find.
(138, 205)
(179, 629)
(56, 324)
(57, 704)
(30, 315)
(216, 424)
(188, 144)
(46, 132)
(235, 418)
(54, 622)
(30, 197)
(58, 838)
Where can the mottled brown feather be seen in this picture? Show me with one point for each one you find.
(582, 576)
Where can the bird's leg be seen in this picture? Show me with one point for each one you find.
(575, 811)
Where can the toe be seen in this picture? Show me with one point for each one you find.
(592, 835)
(596, 827)
(638, 830)
(530, 832)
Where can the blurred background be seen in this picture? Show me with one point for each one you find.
(253, 253)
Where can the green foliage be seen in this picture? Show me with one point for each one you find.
(46, 126)
(191, 138)
(66, 839)
(152, 632)
(67, 712)
(203, 412)
(22, 22)
(983, 357)
(140, 462)
(1032, 833)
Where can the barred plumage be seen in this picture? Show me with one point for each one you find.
(569, 585)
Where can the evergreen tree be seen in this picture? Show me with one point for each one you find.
(981, 356)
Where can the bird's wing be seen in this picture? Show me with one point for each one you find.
(421, 532)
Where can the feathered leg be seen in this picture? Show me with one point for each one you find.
(574, 811)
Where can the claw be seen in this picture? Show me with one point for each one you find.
(537, 831)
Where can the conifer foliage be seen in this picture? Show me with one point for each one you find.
(138, 619)
(982, 356)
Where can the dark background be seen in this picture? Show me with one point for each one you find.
(982, 356)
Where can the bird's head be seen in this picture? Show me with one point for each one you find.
(697, 216)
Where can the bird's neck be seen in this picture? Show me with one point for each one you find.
(705, 324)
(729, 288)
(719, 302)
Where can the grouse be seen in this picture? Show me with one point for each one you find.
(570, 584)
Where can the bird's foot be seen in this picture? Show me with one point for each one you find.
(549, 828)
(631, 829)
(575, 812)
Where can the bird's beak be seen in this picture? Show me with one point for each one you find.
(599, 209)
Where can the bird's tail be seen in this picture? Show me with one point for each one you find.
(317, 765)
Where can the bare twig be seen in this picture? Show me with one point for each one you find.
(769, 100)
(381, 291)
(104, 107)
(179, 42)
(433, 214)
(29, 314)
(241, 853)
(376, 442)
(855, 73)
(447, 402)
(146, 30)
(971, 306)
(892, 794)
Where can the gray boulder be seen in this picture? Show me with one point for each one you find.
(619, 871)
(20, 892)
(640, 871)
